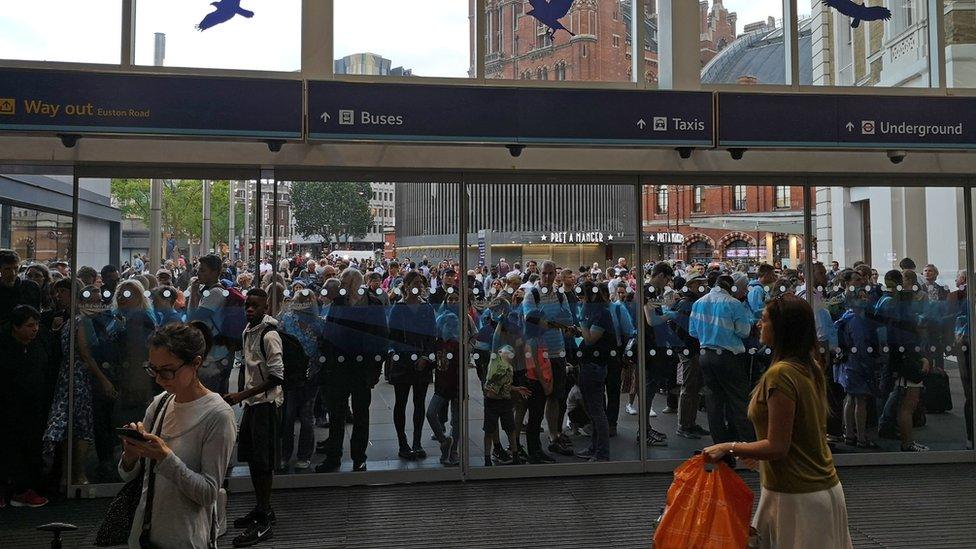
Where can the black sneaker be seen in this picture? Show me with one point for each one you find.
(488, 462)
(251, 517)
(701, 431)
(256, 532)
(558, 448)
(419, 452)
(327, 467)
(359, 467)
(536, 458)
(407, 454)
(501, 456)
(687, 433)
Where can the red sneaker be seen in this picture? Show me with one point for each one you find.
(30, 498)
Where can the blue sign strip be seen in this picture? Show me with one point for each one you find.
(845, 121)
(109, 103)
(344, 111)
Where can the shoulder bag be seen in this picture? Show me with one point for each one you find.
(121, 512)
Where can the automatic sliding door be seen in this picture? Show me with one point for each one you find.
(373, 285)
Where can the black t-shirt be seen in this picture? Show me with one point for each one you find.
(597, 315)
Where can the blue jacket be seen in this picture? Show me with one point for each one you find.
(720, 321)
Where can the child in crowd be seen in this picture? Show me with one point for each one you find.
(499, 407)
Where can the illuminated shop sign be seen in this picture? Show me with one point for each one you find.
(666, 238)
(564, 237)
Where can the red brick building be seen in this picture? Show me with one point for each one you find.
(708, 223)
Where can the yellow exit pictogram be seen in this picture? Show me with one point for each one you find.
(8, 106)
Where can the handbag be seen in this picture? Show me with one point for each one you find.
(121, 512)
(542, 365)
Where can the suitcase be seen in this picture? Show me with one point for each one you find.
(936, 397)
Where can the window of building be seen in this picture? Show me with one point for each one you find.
(901, 15)
(783, 197)
(739, 197)
(270, 40)
(662, 199)
(57, 30)
(697, 199)
(416, 38)
(616, 41)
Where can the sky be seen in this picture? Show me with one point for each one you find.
(429, 36)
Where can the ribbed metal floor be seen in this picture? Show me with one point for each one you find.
(912, 506)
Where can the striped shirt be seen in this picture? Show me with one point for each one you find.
(720, 321)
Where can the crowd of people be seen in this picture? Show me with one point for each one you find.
(554, 348)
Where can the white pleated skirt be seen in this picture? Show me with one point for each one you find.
(817, 520)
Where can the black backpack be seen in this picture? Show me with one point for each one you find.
(293, 356)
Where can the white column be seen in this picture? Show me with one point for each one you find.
(232, 187)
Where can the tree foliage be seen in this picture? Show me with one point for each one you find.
(332, 210)
(182, 209)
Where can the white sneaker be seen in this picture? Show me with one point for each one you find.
(631, 411)
(652, 413)
(303, 464)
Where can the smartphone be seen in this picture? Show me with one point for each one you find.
(129, 433)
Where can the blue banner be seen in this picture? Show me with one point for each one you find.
(846, 121)
(108, 103)
(345, 111)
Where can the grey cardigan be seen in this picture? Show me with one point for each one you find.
(187, 482)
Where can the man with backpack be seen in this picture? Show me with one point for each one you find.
(261, 394)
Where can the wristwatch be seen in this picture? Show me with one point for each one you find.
(732, 449)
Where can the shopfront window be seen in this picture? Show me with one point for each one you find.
(263, 35)
(61, 30)
(739, 197)
(393, 38)
(591, 41)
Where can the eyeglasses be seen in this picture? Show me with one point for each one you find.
(167, 375)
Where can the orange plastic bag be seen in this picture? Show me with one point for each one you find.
(705, 510)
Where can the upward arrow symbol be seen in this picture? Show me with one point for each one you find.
(641, 123)
(850, 127)
(325, 117)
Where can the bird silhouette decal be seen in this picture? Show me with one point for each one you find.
(549, 12)
(859, 12)
(226, 10)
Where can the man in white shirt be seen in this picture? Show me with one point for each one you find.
(258, 438)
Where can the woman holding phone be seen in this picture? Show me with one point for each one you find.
(802, 502)
(182, 446)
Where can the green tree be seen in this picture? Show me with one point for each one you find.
(182, 209)
(332, 210)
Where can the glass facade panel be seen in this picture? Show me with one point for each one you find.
(900, 352)
(742, 42)
(262, 35)
(391, 38)
(893, 53)
(126, 289)
(62, 30)
(567, 260)
(737, 232)
(380, 313)
(592, 41)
